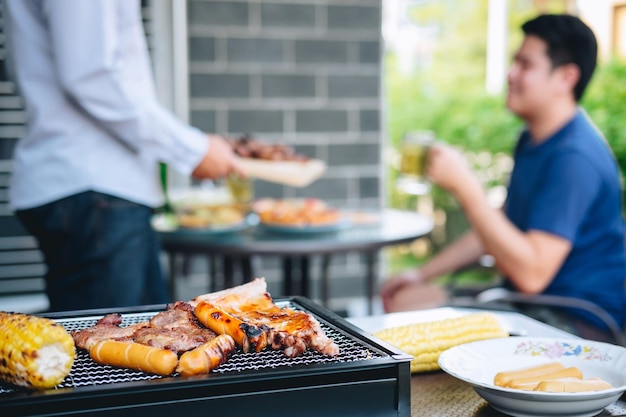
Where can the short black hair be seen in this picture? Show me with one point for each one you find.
(570, 41)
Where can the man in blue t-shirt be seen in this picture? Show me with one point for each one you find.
(562, 229)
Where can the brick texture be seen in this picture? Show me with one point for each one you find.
(303, 73)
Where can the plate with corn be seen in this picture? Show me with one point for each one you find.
(599, 377)
(426, 340)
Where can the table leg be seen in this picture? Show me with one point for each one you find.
(325, 277)
(287, 276)
(212, 272)
(228, 271)
(370, 260)
(186, 264)
(172, 278)
(246, 269)
(304, 276)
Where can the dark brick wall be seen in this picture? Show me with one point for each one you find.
(302, 72)
(306, 73)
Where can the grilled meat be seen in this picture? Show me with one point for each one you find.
(207, 357)
(175, 329)
(249, 147)
(107, 328)
(248, 310)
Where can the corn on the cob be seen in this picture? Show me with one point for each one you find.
(34, 351)
(426, 341)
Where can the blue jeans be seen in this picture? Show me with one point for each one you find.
(100, 250)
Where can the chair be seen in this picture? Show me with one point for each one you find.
(498, 296)
(503, 295)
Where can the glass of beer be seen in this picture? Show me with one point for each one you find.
(414, 162)
(242, 191)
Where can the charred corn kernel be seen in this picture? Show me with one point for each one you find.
(34, 351)
(427, 340)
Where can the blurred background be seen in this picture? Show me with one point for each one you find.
(342, 81)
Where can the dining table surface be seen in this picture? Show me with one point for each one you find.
(438, 394)
(363, 231)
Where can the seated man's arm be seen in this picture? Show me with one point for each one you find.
(529, 259)
(464, 251)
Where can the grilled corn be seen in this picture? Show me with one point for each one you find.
(34, 351)
(426, 341)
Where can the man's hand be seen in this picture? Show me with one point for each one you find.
(397, 283)
(410, 290)
(448, 169)
(219, 161)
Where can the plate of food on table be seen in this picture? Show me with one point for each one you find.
(539, 376)
(210, 210)
(299, 215)
(520, 376)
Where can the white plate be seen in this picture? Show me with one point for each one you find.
(478, 362)
(168, 223)
(214, 230)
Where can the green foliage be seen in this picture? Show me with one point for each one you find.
(447, 96)
(475, 121)
(467, 117)
(460, 114)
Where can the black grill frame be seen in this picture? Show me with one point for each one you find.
(369, 377)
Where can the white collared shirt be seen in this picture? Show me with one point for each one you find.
(94, 122)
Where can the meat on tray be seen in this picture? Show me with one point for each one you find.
(107, 328)
(197, 336)
(174, 329)
(248, 314)
(249, 147)
(155, 346)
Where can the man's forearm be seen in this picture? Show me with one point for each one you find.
(510, 247)
(464, 251)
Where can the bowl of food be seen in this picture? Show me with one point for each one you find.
(298, 215)
(550, 376)
(209, 210)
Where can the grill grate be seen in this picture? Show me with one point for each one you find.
(87, 372)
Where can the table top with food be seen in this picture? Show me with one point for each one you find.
(239, 344)
(229, 217)
(496, 363)
(301, 226)
(213, 352)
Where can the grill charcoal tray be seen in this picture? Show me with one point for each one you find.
(368, 377)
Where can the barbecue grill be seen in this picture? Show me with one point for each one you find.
(367, 378)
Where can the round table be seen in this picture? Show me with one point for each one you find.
(391, 227)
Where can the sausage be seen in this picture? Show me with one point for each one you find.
(134, 356)
(573, 385)
(245, 335)
(503, 378)
(207, 356)
(521, 383)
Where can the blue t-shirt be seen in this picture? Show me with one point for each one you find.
(569, 186)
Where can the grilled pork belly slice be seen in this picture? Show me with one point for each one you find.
(107, 328)
(175, 329)
(248, 314)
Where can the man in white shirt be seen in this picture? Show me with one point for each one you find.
(85, 175)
